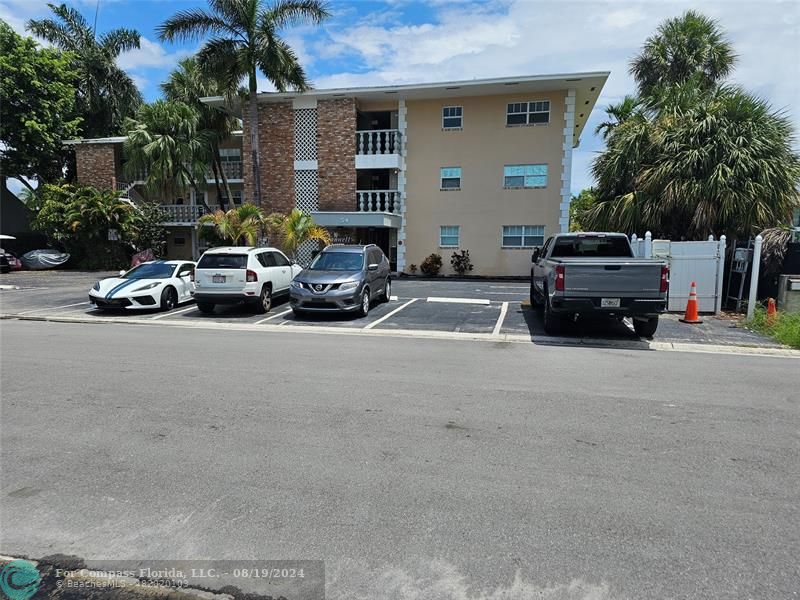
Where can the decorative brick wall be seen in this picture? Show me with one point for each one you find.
(97, 165)
(276, 138)
(336, 151)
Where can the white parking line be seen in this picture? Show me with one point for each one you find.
(459, 300)
(27, 312)
(286, 312)
(392, 297)
(500, 319)
(174, 312)
(386, 316)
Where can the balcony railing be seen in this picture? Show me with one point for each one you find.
(183, 213)
(231, 168)
(378, 141)
(378, 201)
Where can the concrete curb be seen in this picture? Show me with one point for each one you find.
(437, 335)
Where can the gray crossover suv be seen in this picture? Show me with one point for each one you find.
(342, 278)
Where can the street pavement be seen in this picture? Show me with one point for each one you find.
(416, 468)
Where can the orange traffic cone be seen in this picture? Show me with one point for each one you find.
(691, 315)
(772, 311)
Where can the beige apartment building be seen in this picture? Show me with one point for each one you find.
(479, 165)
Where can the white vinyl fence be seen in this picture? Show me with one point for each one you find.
(701, 262)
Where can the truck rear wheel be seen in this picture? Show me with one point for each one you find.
(553, 322)
(645, 327)
(536, 304)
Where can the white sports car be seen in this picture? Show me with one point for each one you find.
(157, 284)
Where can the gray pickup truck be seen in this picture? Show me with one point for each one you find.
(597, 274)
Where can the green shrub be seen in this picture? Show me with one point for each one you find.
(785, 328)
(431, 265)
(412, 269)
(461, 263)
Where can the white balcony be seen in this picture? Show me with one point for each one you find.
(183, 214)
(383, 201)
(378, 149)
(231, 168)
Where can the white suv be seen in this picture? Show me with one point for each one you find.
(236, 274)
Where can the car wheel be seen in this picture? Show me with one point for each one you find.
(205, 308)
(169, 298)
(387, 290)
(264, 300)
(553, 323)
(645, 327)
(363, 310)
(535, 302)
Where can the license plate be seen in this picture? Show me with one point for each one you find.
(218, 279)
(609, 302)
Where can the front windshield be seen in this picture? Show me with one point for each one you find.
(150, 271)
(338, 261)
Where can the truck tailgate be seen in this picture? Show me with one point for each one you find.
(618, 279)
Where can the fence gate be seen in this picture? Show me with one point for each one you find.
(701, 262)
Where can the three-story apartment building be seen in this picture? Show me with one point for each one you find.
(481, 165)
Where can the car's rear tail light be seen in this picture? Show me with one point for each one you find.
(664, 278)
(251, 276)
(560, 278)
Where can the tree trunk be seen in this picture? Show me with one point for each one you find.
(216, 183)
(254, 146)
(225, 184)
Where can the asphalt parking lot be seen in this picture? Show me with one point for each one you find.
(484, 307)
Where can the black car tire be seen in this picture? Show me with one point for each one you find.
(553, 322)
(536, 304)
(645, 327)
(363, 309)
(264, 300)
(205, 307)
(387, 290)
(169, 298)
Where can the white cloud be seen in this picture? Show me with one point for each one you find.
(522, 37)
(150, 54)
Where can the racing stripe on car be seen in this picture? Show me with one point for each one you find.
(119, 287)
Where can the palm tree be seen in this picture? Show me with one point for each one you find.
(691, 46)
(165, 143)
(618, 114)
(188, 83)
(106, 94)
(243, 223)
(294, 229)
(245, 41)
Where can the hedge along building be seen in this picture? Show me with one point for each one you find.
(481, 165)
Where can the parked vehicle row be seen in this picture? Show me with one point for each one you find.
(340, 278)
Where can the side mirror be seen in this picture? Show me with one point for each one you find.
(373, 267)
(122, 272)
(535, 255)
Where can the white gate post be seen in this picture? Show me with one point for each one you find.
(720, 272)
(635, 245)
(751, 301)
(648, 245)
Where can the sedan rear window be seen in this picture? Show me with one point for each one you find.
(592, 246)
(223, 261)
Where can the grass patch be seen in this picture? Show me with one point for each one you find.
(784, 329)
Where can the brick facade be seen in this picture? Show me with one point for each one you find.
(336, 151)
(276, 139)
(98, 165)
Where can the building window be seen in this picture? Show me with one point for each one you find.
(525, 176)
(179, 241)
(230, 154)
(528, 113)
(452, 117)
(450, 178)
(523, 236)
(796, 218)
(448, 236)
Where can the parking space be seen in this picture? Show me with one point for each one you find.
(488, 308)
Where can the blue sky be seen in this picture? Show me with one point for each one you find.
(370, 42)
